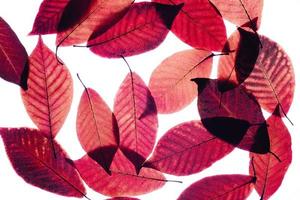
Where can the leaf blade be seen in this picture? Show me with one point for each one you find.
(184, 144)
(49, 96)
(173, 91)
(13, 57)
(31, 156)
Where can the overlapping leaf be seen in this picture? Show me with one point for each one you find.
(97, 128)
(221, 187)
(48, 17)
(234, 116)
(268, 169)
(143, 28)
(99, 14)
(241, 12)
(272, 79)
(123, 180)
(13, 57)
(199, 24)
(136, 114)
(30, 153)
(50, 91)
(170, 82)
(186, 149)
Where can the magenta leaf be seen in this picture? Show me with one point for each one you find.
(13, 57)
(30, 153)
(186, 149)
(135, 111)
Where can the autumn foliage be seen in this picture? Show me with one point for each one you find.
(124, 157)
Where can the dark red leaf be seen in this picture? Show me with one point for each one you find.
(170, 82)
(198, 24)
(97, 128)
(99, 14)
(49, 16)
(50, 90)
(237, 11)
(221, 187)
(13, 57)
(143, 28)
(272, 80)
(186, 149)
(30, 153)
(136, 114)
(270, 171)
(123, 180)
(234, 116)
(245, 46)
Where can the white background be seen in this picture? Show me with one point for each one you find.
(280, 22)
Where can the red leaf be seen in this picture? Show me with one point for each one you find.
(199, 24)
(99, 14)
(96, 128)
(170, 82)
(123, 180)
(49, 95)
(234, 116)
(48, 17)
(13, 57)
(31, 156)
(221, 187)
(143, 28)
(270, 171)
(272, 80)
(236, 11)
(123, 198)
(186, 149)
(136, 114)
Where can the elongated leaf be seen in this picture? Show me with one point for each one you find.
(272, 80)
(123, 198)
(49, 95)
(186, 149)
(136, 114)
(234, 116)
(99, 14)
(30, 153)
(13, 57)
(199, 24)
(123, 180)
(221, 187)
(96, 128)
(143, 28)
(236, 11)
(170, 82)
(48, 17)
(268, 169)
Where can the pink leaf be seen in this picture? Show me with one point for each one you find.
(272, 80)
(48, 17)
(170, 82)
(96, 128)
(221, 187)
(270, 171)
(199, 24)
(99, 14)
(136, 114)
(236, 11)
(123, 180)
(50, 91)
(186, 149)
(143, 28)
